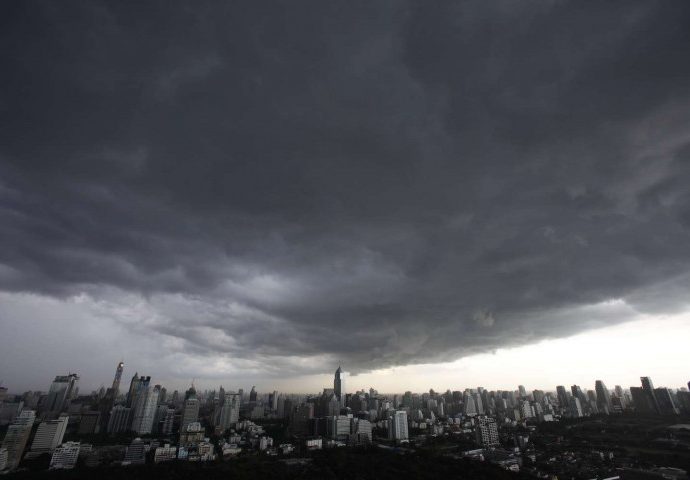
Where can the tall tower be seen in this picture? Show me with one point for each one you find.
(118, 376)
(339, 385)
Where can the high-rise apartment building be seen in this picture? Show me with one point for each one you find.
(17, 436)
(487, 431)
(397, 426)
(49, 435)
(603, 397)
(3, 457)
(649, 392)
(230, 411)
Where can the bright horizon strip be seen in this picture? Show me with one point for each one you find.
(654, 346)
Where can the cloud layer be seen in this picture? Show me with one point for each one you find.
(375, 183)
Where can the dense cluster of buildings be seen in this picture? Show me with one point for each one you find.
(146, 423)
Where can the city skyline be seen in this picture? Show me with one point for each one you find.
(431, 195)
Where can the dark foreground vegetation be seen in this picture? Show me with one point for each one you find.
(332, 464)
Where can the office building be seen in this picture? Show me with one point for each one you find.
(120, 418)
(190, 412)
(166, 420)
(133, 389)
(62, 391)
(145, 409)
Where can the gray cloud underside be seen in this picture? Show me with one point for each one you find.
(380, 183)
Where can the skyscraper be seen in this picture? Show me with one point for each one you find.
(133, 388)
(63, 389)
(603, 397)
(580, 395)
(648, 390)
(116, 380)
(562, 398)
(230, 411)
(397, 426)
(145, 409)
(190, 412)
(108, 401)
(339, 385)
(16, 437)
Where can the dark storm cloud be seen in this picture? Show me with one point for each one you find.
(376, 182)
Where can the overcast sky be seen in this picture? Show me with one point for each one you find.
(255, 192)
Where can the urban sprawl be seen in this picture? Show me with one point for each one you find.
(539, 433)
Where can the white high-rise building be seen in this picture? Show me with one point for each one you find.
(16, 437)
(230, 411)
(65, 456)
(397, 426)
(145, 410)
(49, 435)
